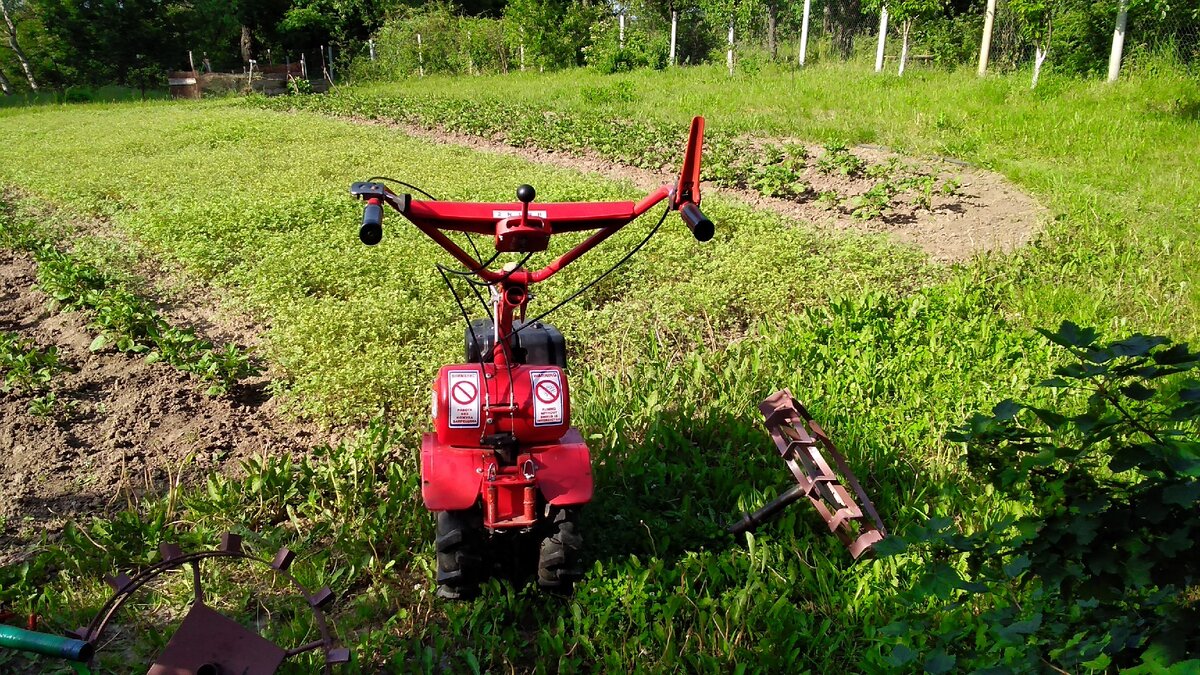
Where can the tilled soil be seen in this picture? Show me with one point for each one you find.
(129, 428)
(986, 214)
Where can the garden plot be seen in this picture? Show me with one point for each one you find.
(107, 428)
(950, 210)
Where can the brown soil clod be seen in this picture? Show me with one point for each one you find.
(128, 428)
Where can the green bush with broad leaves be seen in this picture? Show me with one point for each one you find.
(609, 53)
(1096, 567)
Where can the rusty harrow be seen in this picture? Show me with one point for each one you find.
(801, 442)
(206, 642)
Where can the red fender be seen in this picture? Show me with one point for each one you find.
(450, 477)
(564, 470)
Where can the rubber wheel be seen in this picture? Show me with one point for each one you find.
(559, 557)
(459, 537)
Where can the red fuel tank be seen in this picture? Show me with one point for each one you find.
(473, 400)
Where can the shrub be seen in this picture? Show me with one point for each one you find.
(1094, 568)
(641, 49)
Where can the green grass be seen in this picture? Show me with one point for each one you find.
(81, 94)
(669, 357)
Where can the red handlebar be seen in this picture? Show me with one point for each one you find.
(526, 228)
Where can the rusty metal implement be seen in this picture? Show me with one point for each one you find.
(801, 442)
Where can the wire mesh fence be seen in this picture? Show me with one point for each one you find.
(1072, 37)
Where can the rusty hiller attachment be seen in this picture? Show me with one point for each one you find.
(800, 441)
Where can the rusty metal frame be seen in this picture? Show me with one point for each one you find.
(231, 547)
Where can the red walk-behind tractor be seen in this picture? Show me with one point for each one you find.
(503, 458)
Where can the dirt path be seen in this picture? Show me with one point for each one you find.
(987, 214)
(129, 428)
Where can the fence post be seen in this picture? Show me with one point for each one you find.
(674, 23)
(621, 37)
(303, 67)
(804, 32)
(470, 59)
(420, 57)
(985, 49)
(883, 17)
(729, 54)
(371, 45)
(1118, 44)
(191, 63)
(330, 64)
(522, 56)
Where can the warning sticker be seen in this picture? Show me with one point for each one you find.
(463, 398)
(547, 397)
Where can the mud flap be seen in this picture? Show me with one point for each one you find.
(564, 470)
(450, 477)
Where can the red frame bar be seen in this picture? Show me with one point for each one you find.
(480, 218)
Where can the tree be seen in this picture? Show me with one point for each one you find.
(1036, 21)
(843, 19)
(906, 12)
(11, 30)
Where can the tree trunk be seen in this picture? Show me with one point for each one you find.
(772, 28)
(16, 47)
(5, 85)
(245, 44)
(906, 29)
(844, 17)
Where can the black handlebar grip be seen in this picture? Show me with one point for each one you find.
(702, 228)
(372, 227)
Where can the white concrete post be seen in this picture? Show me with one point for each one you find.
(1118, 45)
(985, 48)
(729, 54)
(674, 23)
(420, 56)
(621, 38)
(804, 32)
(883, 17)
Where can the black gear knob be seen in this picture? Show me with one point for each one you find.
(526, 193)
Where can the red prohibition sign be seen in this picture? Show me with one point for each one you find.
(546, 391)
(463, 392)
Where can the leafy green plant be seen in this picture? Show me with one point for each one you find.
(298, 86)
(1095, 566)
(26, 368)
(874, 202)
(839, 159)
(829, 199)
